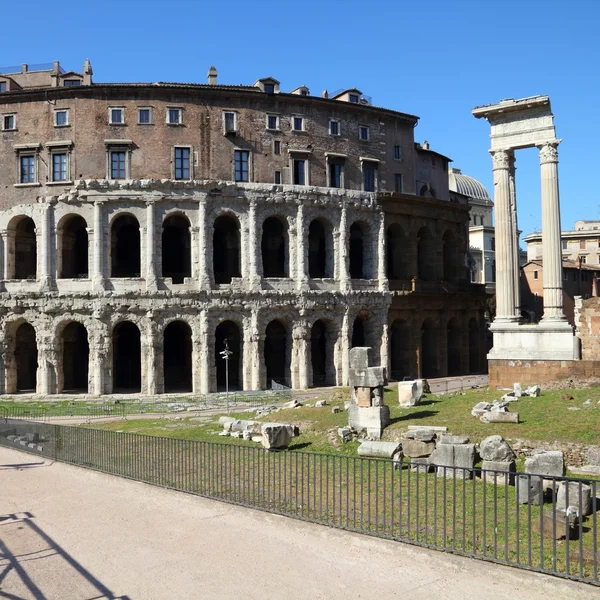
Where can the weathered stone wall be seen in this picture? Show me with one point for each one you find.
(587, 326)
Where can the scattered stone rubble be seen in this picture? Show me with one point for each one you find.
(411, 392)
(497, 412)
(272, 436)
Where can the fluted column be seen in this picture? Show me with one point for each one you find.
(151, 279)
(98, 264)
(381, 251)
(47, 279)
(515, 236)
(505, 281)
(551, 244)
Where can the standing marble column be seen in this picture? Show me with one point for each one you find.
(204, 352)
(301, 237)
(301, 341)
(551, 243)
(98, 264)
(48, 237)
(253, 259)
(381, 250)
(254, 351)
(342, 252)
(515, 236)
(505, 281)
(203, 277)
(99, 355)
(151, 278)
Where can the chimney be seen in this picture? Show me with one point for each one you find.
(325, 94)
(24, 68)
(425, 145)
(212, 75)
(87, 72)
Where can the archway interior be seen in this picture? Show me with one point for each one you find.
(321, 355)
(317, 250)
(273, 247)
(396, 253)
(399, 351)
(453, 346)
(25, 265)
(176, 249)
(429, 350)
(127, 359)
(473, 347)
(125, 247)
(76, 353)
(277, 354)
(356, 252)
(226, 249)
(425, 255)
(358, 333)
(228, 330)
(74, 256)
(178, 357)
(450, 254)
(26, 357)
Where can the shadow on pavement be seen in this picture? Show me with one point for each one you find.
(35, 567)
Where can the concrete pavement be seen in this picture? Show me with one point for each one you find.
(67, 533)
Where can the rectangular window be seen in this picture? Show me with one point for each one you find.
(535, 274)
(2, 86)
(117, 116)
(278, 177)
(582, 244)
(565, 275)
(117, 164)
(493, 244)
(363, 133)
(182, 163)
(369, 175)
(565, 245)
(174, 116)
(61, 118)
(241, 165)
(276, 147)
(298, 123)
(9, 122)
(583, 259)
(272, 122)
(269, 88)
(335, 175)
(230, 122)
(144, 116)
(397, 182)
(334, 128)
(27, 168)
(353, 98)
(397, 153)
(72, 82)
(59, 166)
(299, 171)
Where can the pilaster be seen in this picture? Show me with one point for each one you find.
(381, 256)
(203, 276)
(98, 261)
(47, 246)
(151, 278)
(301, 237)
(342, 253)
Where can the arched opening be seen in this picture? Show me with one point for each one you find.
(426, 254)
(474, 354)
(399, 350)
(74, 249)
(75, 358)
(357, 252)
(358, 333)
(277, 354)
(176, 249)
(177, 357)
(321, 355)
(26, 358)
(453, 345)
(125, 247)
(429, 354)
(274, 248)
(226, 249)
(397, 250)
(450, 253)
(228, 330)
(127, 358)
(320, 243)
(24, 252)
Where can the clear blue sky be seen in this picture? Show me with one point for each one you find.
(433, 58)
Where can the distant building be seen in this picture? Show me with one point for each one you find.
(581, 243)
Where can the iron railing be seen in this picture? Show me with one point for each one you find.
(465, 511)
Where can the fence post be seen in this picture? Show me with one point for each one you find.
(56, 440)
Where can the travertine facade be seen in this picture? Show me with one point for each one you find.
(135, 242)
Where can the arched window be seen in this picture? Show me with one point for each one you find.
(176, 249)
(125, 247)
(75, 359)
(426, 254)
(73, 248)
(22, 250)
(177, 361)
(320, 249)
(357, 252)
(226, 249)
(274, 248)
(127, 358)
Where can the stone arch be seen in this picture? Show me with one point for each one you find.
(399, 350)
(450, 256)
(278, 353)
(322, 342)
(26, 358)
(226, 248)
(73, 247)
(275, 248)
(177, 357)
(75, 359)
(429, 349)
(474, 347)
(320, 249)
(176, 248)
(426, 254)
(21, 248)
(453, 345)
(125, 246)
(230, 331)
(397, 265)
(127, 357)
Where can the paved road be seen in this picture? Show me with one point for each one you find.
(67, 533)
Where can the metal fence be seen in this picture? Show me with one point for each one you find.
(464, 511)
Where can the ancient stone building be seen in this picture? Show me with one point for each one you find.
(142, 225)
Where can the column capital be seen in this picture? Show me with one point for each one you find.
(501, 159)
(549, 152)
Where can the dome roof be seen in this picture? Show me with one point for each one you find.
(463, 184)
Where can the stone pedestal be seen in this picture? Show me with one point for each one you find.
(372, 419)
